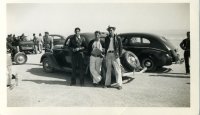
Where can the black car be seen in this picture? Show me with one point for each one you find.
(152, 50)
(58, 39)
(60, 58)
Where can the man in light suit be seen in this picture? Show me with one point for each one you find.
(113, 51)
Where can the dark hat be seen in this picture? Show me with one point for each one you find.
(46, 32)
(110, 27)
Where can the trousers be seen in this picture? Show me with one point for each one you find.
(95, 68)
(186, 57)
(112, 61)
(77, 64)
(39, 45)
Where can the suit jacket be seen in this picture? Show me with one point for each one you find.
(117, 44)
(185, 44)
(73, 43)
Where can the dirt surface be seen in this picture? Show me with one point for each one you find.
(37, 89)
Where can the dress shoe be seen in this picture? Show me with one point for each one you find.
(82, 82)
(106, 86)
(119, 88)
(95, 84)
(72, 83)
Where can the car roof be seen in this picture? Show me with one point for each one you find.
(57, 35)
(141, 34)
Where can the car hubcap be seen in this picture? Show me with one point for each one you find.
(21, 59)
(46, 64)
(131, 59)
(148, 64)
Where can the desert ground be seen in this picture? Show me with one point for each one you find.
(39, 89)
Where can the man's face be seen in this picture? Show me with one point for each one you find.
(97, 36)
(46, 34)
(188, 35)
(77, 32)
(111, 31)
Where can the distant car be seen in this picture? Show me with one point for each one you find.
(58, 39)
(60, 58)
(152, 50)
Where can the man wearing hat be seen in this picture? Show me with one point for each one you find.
(77, 46)
(113, 51)
(48, 42)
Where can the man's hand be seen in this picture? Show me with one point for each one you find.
(76, 49)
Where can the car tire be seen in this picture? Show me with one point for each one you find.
(149, 63)
(130, 61)
(47, 66)
(20, 58)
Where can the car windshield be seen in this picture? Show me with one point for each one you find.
(167, 42)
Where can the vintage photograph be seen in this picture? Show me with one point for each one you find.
(98, 55)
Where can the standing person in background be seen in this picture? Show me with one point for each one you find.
(15, 43)
(113, 51)
(77, 46)
(185, 45)
(23, 37)
(40, 43)
(35, 39)
(48, 42)
(95, 50)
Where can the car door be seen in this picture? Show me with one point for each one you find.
(62, 55)
(67, 54)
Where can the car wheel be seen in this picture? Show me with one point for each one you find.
(130, 61)
(20, 58)
(47, 66)
(149, 63)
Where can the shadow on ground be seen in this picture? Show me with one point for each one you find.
(33, 64)
(64, 76)
(51, 82)
(173, 76)
(40, 72)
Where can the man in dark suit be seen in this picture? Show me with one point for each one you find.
(113, 51)
(185, 45)
(77, 46)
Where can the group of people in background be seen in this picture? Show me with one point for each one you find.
(39, 42)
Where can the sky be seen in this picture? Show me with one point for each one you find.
(61, 19)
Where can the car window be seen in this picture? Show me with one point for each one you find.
(56, 37)
(135, 40)
(67, 42)
(145, 41)
(124, 40)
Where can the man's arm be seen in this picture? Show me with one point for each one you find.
(120, 45)
(182, 45)
(51, 42)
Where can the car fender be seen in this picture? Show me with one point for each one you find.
(52, 60)
(46, 55)
(155, 54)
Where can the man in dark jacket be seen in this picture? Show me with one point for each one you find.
(48, 42)
(77, 46)
(185, 45)
(113, 51)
